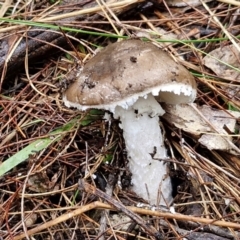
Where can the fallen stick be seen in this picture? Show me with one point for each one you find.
(100, 205)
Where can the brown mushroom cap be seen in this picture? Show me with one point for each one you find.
(126, 70)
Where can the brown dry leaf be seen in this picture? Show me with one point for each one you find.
(31, 220)
(227, 54)
(181, 3)
(225, 63)
(40, 182)
(208, 128)
(120, 221)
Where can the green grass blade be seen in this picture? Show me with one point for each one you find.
(24, 154)
(45, 142)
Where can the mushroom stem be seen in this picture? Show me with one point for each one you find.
(144, 142)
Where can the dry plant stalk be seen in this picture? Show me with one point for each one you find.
(135, 210)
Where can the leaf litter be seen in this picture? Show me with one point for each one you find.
(225, 63)
(40, 196)
(206, 124)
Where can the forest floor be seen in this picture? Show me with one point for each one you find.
(47, 150)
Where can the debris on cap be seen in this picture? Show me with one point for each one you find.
(124, 71)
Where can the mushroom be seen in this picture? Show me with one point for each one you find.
(129, 78)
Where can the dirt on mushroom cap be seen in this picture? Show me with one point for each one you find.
(126, 70)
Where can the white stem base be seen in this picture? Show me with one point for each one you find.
(143, 139)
